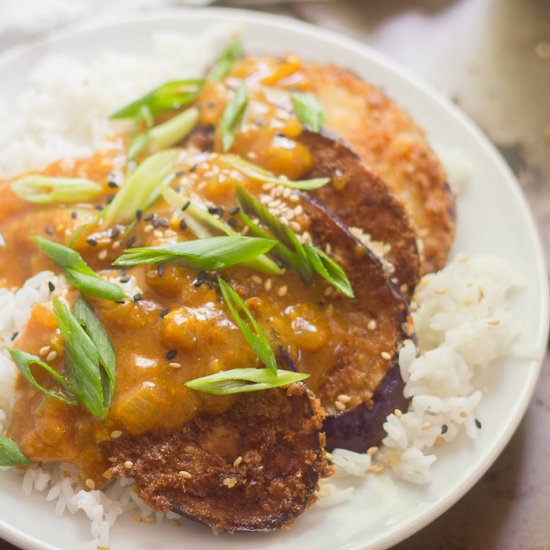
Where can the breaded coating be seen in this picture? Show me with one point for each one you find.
(395, 149)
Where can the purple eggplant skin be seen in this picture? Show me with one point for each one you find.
(361, 427)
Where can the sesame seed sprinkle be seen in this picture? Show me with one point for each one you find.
(385, 355)
(282, 290)
(103, 254)
(44, 351)
(90, 483)
(237, 461)
(51, 356)
(371, 324)
(185, 474)
(372, 451)
(128, 464)
(339, 405)
(115, 434)
(174, 365)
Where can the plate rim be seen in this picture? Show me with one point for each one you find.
(411, 526)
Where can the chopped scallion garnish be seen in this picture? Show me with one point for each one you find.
(305, 259)
(50, 190)
(83, 362)
(201, 222)
(226, 61)
(11, 455)
(259, 174)
(169, 96)
(24, 361)
(78, 273)
(172, 131)
(139, 134)
(244, 380)
(252, 331)
(204, 254)
(309, 110)
(233, 115)
(141, 187)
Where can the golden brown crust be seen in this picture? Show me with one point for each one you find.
(254, 468)
(362, 200)
(395, 149)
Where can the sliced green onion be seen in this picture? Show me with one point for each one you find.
(49, 190)
(78, 273)
(226, 61)
(140, 187)
(309, 110)
(169, 96)
(200, 221)
(82, 361)
(171, 132)
(305, 259)
(244, 380)
(24, 360)
(253, 332)
(233, 115)
(259, 174)
(139, 134)
(289, 248)
(209, 254)
(327, 268)
(86, 316)
(11, 455)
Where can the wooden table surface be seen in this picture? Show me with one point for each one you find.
(493, 58)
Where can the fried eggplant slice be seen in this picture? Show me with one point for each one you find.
(394, 148)
(360, 198)
(254, 468)
(358, 425)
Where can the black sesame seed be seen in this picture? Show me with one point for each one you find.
(114, 232)
(137, 297)
(122, 302)
(161, 269)
(185, 206)
(110, 198)
(74, 215)
(211, 104)
(234, 211)
(48, 230)
(99, 207)
(161, 222)
(171, 354)
(193, 168)
(139, 214)
(14, 336)
(149, 218)
(131, 241)
(183, 225)
(179, 173)
(91, 242)
(215, 210)
(232, 222)
(279, 262)
(444, 429)
(51, 286)
(478, 424)
(112, 184)
(164, 313)
(124, 280)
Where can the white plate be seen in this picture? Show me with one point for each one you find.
(492, 218)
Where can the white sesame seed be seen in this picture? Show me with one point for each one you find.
(294, 198)
(398, 413)
(426, 425)
(44, 351)
(328, 291)
(372, 451)
(268, 285)
(237, 461)
(339, 405)
(103, 254)
(295, 226)
(90, 483)
(265, 199)
(185, 474)
(51, 356)
(286, 192)
(116, 245)
(344, 398)
(148, 228)
(385, 355)
(174, 365)
(463, 414)
(158, 233)
(115, 434)
(257, 279)
(494, 321)
(371, 324)
(150, 519)
(128, 464)
(298, 210)
(282, 290)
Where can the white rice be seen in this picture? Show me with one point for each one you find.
(462, 318)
